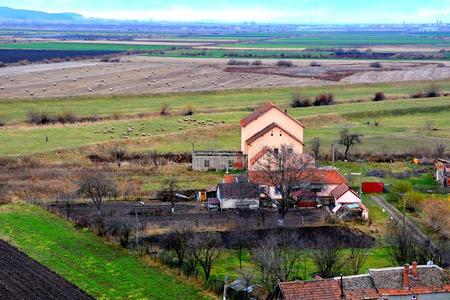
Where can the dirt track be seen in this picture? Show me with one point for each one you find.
(146, 75)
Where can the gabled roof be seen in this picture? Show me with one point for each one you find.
(340, 190)
(315, 176)
(238, 190)
(374, 285)
(262, 110)
(268, 128)
(323, 289)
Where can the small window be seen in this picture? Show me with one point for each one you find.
(230, 162)
(290, 150)
(271, 134)
(281, 134)
(206, 163)
(275, 150)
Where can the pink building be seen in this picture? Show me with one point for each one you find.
(269, 127)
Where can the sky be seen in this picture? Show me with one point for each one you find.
(261, 11)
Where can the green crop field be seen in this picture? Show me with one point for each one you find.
(103, 270)
(347, 39)
(80, 46)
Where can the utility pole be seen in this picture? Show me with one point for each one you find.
(403, 215)
(225, 280)
(332, 152)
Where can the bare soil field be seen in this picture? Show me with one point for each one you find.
(24, 278)
(149, 75)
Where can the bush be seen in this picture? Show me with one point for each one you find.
(2, 122)
(257, 63)
(39, 118)
(375, 64)
(188, 111)
(379, 96)
(315, 64)
(165, 109)
(413, 201)
(324, 99)
(237, 62)
(298, 102)
(433, 91)
(66, 117)
(284, 63)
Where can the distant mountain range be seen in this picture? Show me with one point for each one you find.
(12, 15)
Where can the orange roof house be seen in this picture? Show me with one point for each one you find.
(415, 282)
(269, 127)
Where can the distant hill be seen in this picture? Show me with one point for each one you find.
(8, 14)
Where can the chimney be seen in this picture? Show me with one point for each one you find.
(414, 269)
(406, 277)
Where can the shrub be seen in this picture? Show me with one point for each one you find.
(315, 64)
(237, 62)
(433, 91)
(66, 117)
(324, 99)
(39, 118)
(379, 96)
(298, 102)
(165, 109)
(257, 63)
(189, 110)
(284, 63)
(2, 122)
(375, 64)
(413, 200)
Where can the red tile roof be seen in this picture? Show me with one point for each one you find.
(266, 130)
(318, 176)
(323, 289)
(262, 110)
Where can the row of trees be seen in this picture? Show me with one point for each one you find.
(279, 256)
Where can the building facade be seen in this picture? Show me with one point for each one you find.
(218, 160)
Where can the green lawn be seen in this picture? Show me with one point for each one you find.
(81, 46)
(103, 270)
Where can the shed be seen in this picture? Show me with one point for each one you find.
(243, 195)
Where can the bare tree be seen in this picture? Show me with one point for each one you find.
(153, 155)
(240, 234)
(439, 151)
(315, 147)
(348, 140)
(169, 191)
(327, 257)
(401, 246)
(97, 187)
(206, 248)
(277, 257)
(357, 255)
(118, 153)
(178, 242)
(285, 171)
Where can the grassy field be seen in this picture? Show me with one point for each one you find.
(16, 110)
(80, 46)
(103, 270)
(401, 124)
(346, 39)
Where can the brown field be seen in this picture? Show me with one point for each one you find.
(150, 75)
